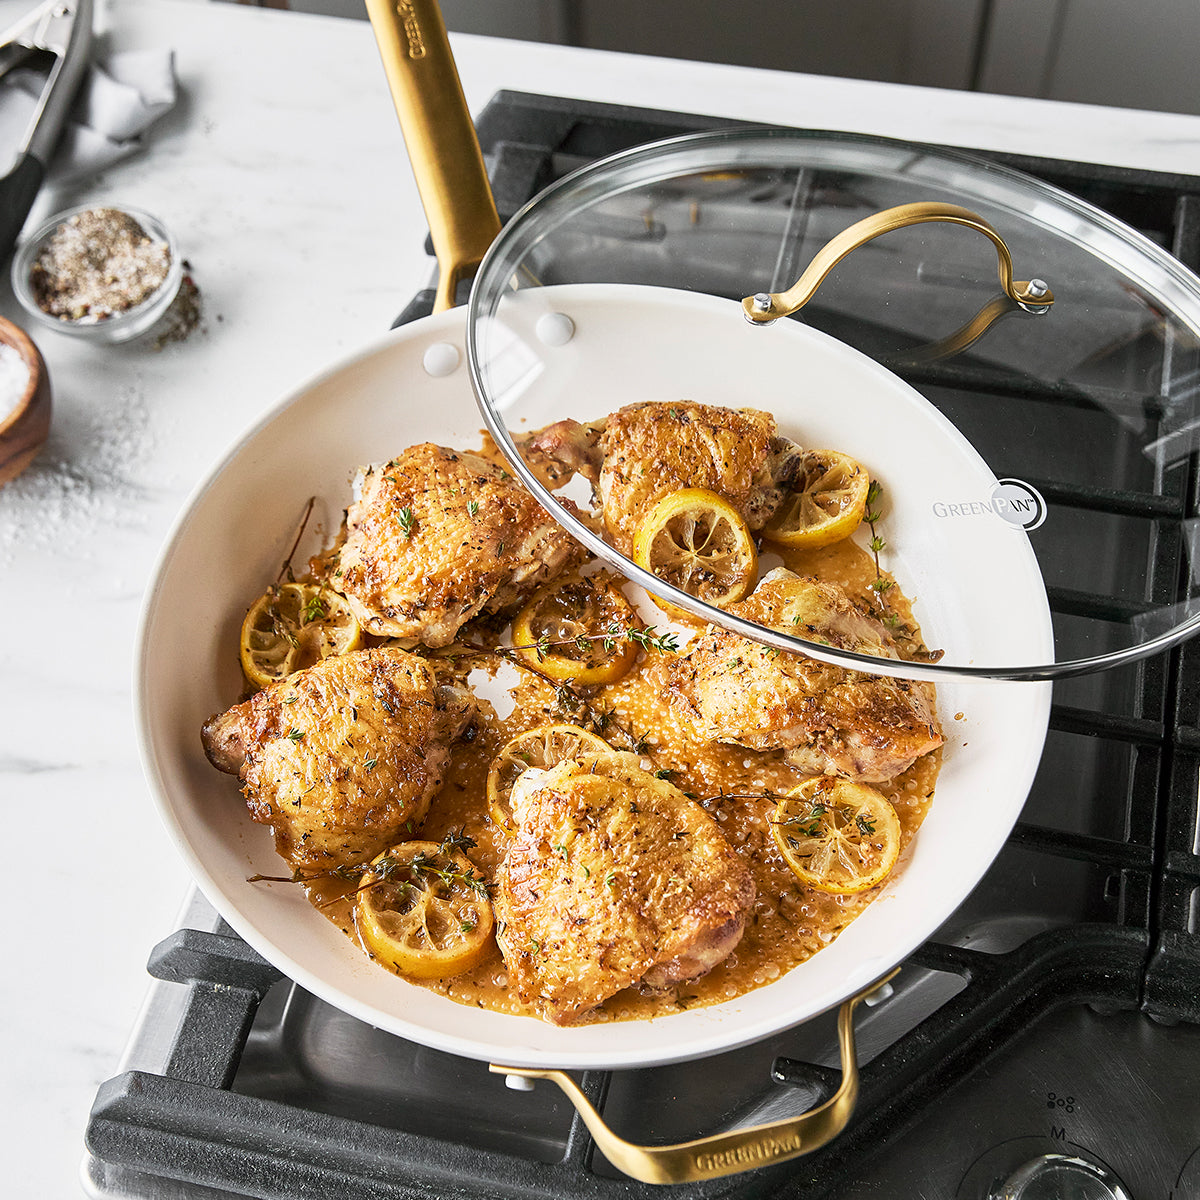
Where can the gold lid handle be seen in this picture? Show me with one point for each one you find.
(738, 1150)
(765, 307)
(440, 137)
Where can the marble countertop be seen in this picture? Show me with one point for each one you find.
(283, 173)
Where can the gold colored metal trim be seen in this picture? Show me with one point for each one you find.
(1031, 294)
(738, 1150)
(440, 136)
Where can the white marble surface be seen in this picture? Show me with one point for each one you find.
(284, 176)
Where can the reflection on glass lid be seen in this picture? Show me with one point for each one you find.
(1024, 509)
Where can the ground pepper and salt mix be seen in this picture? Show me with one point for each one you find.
(96, 264)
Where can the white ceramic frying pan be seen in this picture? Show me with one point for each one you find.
(413, 385)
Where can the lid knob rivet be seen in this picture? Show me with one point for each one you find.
(762, 302)
(1037, 288)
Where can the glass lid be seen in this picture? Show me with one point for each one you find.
(911, 463)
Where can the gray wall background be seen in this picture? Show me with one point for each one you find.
(1129, 53)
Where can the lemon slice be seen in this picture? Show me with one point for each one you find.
(573, 630)
(697, 541)
(423, 910)
(543, 747)
(837, 836)
(825, 503)
(292, 626)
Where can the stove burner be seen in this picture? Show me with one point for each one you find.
(1051, 1030)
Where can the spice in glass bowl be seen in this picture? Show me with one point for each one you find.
(97, 263)
(103, 272)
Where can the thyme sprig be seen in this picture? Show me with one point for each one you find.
(408, 873)
(314, 609)
(717, 797)
(608, 640)
(411, 872)
(662, 643)
(879, 585)
(810, 824)
(807, 824)
(285, 571)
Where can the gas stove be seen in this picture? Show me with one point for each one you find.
(1044, 1044)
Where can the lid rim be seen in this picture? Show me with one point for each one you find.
(1118, 246)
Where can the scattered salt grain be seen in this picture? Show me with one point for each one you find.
(14, 379)
(85, 479)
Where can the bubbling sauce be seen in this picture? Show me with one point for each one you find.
(789, 922)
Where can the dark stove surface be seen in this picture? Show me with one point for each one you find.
(1056, 1014)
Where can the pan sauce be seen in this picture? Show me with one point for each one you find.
(789, 922)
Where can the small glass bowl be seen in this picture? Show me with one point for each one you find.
(121, 326)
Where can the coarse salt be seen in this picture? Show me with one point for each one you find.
(85, 479)
(14, 379)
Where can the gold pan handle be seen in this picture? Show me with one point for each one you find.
(765, 307)
(738, 1150)
(440, 136)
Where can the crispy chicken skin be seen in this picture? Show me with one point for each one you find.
(438, 536)
(646, 451)
(829, 720)
(343, 758)
(614, 878)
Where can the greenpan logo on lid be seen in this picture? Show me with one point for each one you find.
(1014, 501)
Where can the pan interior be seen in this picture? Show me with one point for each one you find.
(233, 534)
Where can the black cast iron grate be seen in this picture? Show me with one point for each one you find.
(1134, 946)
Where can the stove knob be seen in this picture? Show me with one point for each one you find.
(1060, 1177)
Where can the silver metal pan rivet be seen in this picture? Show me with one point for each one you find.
(1037, 287)
(518, 1083)
(879, 995)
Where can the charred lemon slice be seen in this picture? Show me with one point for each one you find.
(292, 626)
(825, 503)
(422, 910)
(574, 630)
(837, 836)
(698, 542)
(543, 747)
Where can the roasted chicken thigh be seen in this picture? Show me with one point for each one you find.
(438, 536)
(343, 758)
(830, 720)
(614, 878)
(645, 451)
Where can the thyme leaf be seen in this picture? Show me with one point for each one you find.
(644, 636)
(405, 872)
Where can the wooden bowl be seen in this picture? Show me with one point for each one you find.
(24, 428)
